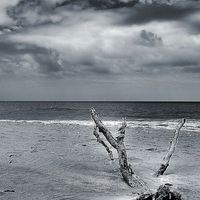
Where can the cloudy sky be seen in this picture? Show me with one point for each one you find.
(100, 50)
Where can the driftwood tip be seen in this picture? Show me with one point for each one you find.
(92, 111)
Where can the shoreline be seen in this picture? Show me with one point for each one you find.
(190, 125)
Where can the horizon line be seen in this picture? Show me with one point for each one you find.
(105, 101)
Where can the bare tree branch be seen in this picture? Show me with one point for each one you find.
(127, 172)
(171, 150)
(103, 129)
(95, 132)
(121, 131)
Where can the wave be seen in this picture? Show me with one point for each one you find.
(190, 125)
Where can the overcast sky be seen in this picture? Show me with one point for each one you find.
(100, 50)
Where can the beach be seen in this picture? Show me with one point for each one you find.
(99, 100)
(62, 160)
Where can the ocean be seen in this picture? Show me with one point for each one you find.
(111, 110)
(48, 151)
(153, 114)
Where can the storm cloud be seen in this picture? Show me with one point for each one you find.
(113, 43)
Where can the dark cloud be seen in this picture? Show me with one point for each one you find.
(150, 39)
(18, 57)
(73, 4)
(192, 23)
(49, 62)
(27, 60)
(34, 12)
(41, 12)
(175, 62)
(8, 29)
(98, 4)
(110, 4)
(38, 12)
(172, 67)
(13, 48)
(142, 14)
(192, 69)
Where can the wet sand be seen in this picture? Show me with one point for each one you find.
(61, 161)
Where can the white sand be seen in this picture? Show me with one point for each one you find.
(60, 161)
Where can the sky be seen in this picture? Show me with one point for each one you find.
(115, 50)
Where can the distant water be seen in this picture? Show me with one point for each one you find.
(110, 110)
(154, 114)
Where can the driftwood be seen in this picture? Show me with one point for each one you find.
(127, 172)
(103, 143)
(171, 150)
(163, 193)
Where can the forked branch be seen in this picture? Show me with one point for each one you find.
(127, 172)
(103, 129)
(96, 134)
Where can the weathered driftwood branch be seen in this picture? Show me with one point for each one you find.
(103, 143)
(127, 172)
(171, 150)
(129, 176)
(121, 131)
(103, 129)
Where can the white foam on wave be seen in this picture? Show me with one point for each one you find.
(190, 125)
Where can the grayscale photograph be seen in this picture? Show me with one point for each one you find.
(99, 99)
